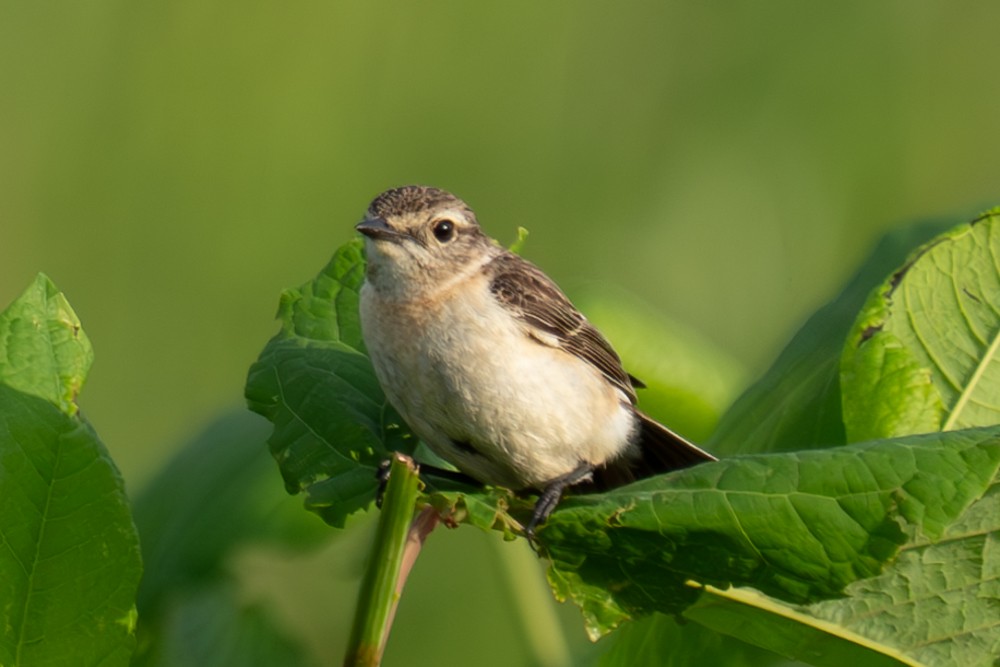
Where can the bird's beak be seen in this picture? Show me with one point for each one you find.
(378, 228)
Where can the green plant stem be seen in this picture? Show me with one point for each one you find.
(382, 585)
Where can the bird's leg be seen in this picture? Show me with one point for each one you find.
(551, 495)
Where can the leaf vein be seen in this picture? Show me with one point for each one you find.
(928, 349)
(739, 525)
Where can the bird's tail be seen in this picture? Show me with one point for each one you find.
(663, 450)
(660, 450)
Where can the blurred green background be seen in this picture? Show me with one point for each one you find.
(173, 166)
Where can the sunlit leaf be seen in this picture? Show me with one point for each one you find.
(43, 349)
(937, 602)
(923, 355)
(69, 554)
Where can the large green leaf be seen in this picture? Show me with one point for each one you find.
(332, 424)
(69, 554)
(935, 604)
(797, 404)
(800, 527)
(938, 600)
(923, 354)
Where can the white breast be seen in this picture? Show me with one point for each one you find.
(464, 371)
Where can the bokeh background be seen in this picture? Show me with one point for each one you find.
(173, 166)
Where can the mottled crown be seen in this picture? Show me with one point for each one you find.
(415, 199)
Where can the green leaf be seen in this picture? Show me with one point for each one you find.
(332, 424)
(215, 496)
(689, 383)
(214, 628)
(800, 527)
(518, 244)
(43, 349)
(937, 602)
(922, 355)
(663, 641)
(797, 404)
(69, 555)
(486, 508)
(789, 631)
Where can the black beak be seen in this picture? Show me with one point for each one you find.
(378, 228)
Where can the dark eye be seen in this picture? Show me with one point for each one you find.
(444, 230)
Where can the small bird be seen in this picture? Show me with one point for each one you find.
(491, 365)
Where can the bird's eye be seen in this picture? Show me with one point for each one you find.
(444, 230)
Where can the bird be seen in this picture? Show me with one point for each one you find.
(492, 366)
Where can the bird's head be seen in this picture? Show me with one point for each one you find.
(417, 238)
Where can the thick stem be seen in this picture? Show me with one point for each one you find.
(383, 580)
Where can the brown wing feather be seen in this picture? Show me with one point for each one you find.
(534, 298)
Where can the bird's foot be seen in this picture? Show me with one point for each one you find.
(552, 494)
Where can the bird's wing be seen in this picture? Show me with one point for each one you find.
(551, 319)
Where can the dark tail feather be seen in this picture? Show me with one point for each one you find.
(663, 450)
(660, 450)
